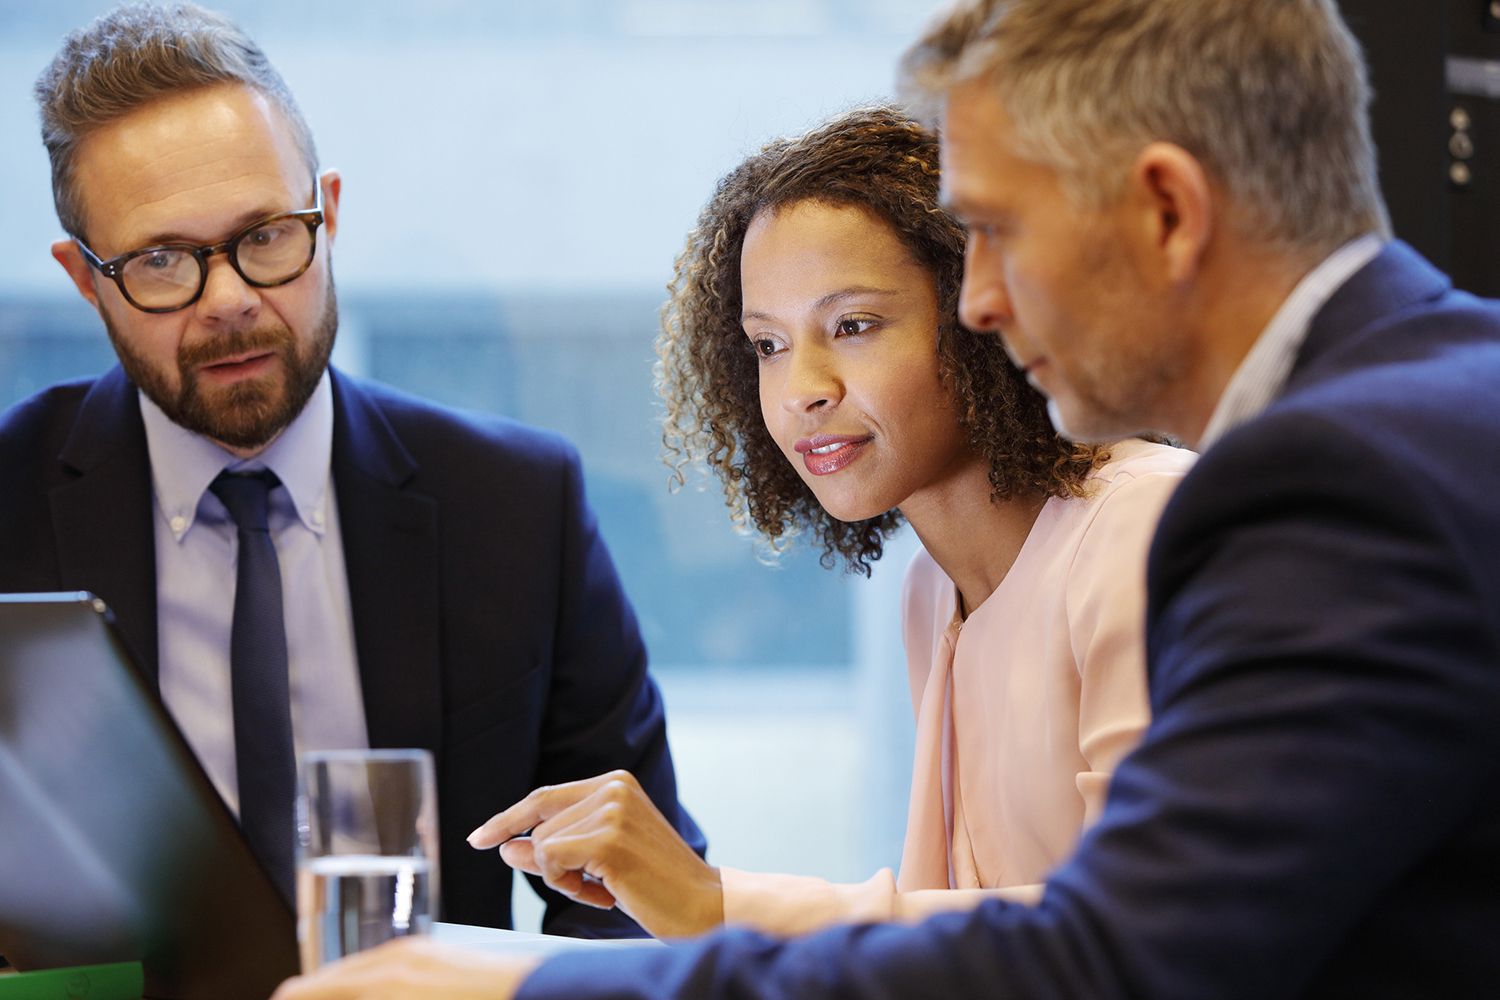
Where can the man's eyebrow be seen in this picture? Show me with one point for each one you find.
(832, 298)
(239, 223)
(963, 209)
(951, 203)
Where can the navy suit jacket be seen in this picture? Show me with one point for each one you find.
(1315, 809)
(490, 627)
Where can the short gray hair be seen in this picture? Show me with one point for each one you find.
(137, 54)
(1271, 96)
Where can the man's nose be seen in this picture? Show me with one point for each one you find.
(984, 301)
(226, 297)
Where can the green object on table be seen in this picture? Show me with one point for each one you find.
(118, 981)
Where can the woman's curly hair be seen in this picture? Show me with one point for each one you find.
(707, 373)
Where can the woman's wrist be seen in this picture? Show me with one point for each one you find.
(703, 909)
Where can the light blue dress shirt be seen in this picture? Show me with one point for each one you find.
(196, 549)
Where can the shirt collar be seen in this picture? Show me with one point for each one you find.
(1263, 372)
(184, 463)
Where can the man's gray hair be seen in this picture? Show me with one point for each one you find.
(137, 54)
(1270, 95)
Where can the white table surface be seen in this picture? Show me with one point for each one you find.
(504, 942)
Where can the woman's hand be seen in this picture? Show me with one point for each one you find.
(412, 969)
(602, 842)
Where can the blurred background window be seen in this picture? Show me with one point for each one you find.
(518, 179)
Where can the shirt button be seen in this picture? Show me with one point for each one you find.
(317, 518)
(179, 524)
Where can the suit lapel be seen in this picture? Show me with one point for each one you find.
(102, 516)
(1397, 278)
(390, 538)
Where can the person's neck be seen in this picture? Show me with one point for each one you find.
(245, 454)
(973, 539)
(1239, 292)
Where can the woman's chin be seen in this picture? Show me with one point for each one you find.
(851, 511)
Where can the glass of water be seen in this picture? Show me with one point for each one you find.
(367, 850)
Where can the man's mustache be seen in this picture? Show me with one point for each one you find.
(217, 349)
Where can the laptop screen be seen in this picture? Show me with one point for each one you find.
(114, 845)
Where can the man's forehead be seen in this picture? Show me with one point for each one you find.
(974, 115)
(970, 146)
(186, 163)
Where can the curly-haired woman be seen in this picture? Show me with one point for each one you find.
(811, 356)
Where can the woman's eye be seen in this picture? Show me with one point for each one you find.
(764, 346)
(851, 327)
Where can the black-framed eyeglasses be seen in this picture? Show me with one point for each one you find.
(169, 277)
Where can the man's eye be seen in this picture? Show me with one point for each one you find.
(164, 260)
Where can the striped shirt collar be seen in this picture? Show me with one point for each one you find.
(1263, 373)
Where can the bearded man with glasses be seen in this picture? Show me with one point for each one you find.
(171, 277)
(442, 583)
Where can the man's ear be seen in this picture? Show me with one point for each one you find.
(333, 186)
(1175, 207)
(66, 253)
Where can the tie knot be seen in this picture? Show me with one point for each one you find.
(246, 495)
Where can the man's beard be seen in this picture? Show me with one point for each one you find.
(250, 413)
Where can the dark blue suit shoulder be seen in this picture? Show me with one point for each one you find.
(448, 436)
(49, 408)
(34, 430)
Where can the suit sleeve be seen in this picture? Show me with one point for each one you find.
(603, 711)
(1324, 693)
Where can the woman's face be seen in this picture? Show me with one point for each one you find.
(845, 326)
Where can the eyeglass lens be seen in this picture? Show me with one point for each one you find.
(269, 254)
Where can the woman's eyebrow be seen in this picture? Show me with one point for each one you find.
(853, 291)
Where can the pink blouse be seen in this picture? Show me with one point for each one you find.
(1023, 710)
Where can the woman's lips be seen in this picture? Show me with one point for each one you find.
(828, 453)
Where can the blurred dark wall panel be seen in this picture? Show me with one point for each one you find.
(1435, 67)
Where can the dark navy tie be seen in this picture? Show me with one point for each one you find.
(258, 678)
